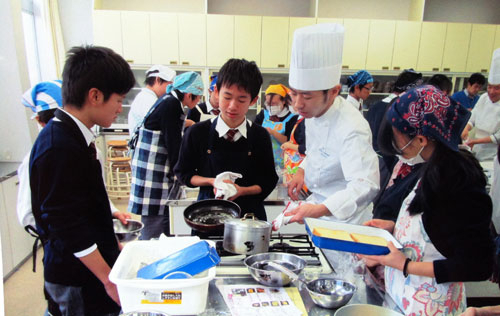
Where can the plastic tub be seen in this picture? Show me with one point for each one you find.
(171, 296)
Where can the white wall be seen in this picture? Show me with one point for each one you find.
(465, 11)
(297, 8)
(76, 22)
(15, 139)
(365, 9)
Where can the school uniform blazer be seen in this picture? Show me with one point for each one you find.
(70, 205)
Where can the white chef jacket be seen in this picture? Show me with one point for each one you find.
(341, 167)
(139, 108)
(358, 105)
(495, 194)
(486, 119)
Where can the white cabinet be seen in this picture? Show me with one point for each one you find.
(108, 29)
(355, 43)
(193, 39)
(274, 42)
(136, 37)
(219, 48)
(164, 38)
(380, 44)
(248, 34)
(16, 242)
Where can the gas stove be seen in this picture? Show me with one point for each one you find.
(298, 244)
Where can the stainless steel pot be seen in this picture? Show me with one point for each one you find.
(246, 236)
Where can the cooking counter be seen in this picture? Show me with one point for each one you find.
(364, 294)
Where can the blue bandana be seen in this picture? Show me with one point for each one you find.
(188, 82)
(213, 83)
(362, 77)
(427, 111)
(43, 96)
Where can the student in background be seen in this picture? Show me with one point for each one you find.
(468, 97)
(441, 82)
(157, 151)
(277, 119)
(158, 78)
(230, 142)
(360, 86)
(205, 110)
(68, 197)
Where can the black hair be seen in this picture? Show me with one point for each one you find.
(477, 78)
(45, 116)
(243, 73)
(150, 81)
(441, 82)
(181, 95)
(406, 80)
(445, 172)
(97, 67)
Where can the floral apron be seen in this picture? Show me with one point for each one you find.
(419, 295)
(280, 128)
(292, 158)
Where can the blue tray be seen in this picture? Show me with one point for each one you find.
(183, 263)
(349, 246)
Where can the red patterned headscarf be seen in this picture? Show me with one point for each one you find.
(427, 111)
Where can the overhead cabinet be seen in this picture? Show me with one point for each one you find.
(481, 47)
(274, 42)
(136, 37)
(192, 39)
(355, 43)
(108, 29)
(406, 44)
(220, 39)
(247, 37)
(380, 44)
(456, 47)
(164, 38)
(430, 53)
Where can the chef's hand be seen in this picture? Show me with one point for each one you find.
(307, 210)
(188, 122)
(395, 259)
(482, 311)
(287, 145)
(296, 184)
(470, 143)
(381, 223)
(112, 291)
(122, 216)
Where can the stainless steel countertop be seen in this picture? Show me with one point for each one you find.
(366, 292)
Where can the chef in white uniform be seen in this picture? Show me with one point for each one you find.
(341, 167)
(486, 116)
(158, 78)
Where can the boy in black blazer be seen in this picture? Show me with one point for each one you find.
(69, 200)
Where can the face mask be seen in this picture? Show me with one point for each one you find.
(274, 109)
(412, 161)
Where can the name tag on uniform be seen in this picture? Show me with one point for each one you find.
(323, 152)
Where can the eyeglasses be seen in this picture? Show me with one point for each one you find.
(369, 89)
(402, 148)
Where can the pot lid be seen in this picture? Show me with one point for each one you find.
(248, 221)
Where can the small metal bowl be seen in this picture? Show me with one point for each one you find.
(265, 274)
(330, 293)
(127, 232)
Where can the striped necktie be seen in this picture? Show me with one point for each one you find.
(215, 111)
(230, 134)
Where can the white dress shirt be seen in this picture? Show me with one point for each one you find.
(486, 119)
(358, 105)
(139, 108)
(222, 128)
(341, 167)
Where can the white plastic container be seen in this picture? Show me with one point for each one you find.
(174, 296)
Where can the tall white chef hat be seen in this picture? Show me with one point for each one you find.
(316, 60)
(161, 71)
(494, 76)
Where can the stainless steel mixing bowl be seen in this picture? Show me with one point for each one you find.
(330, 292)
(265, 274)
(127, 232)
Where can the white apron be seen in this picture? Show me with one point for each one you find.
(419, 295)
